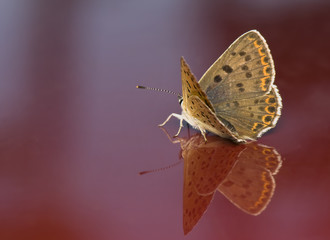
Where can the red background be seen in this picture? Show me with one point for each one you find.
(74, 131)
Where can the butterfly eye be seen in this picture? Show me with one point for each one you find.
(180, 100)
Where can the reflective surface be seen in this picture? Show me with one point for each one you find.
(241, 172)
(75, 132)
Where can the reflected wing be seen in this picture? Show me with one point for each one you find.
(206, 165)
(210, 163)
(194, 204)
(250, 185)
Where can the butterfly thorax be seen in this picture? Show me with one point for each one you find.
(188, 117)
(194, 122)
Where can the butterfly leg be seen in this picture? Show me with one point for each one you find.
(178, 116)
(181, 125)
(203, 133)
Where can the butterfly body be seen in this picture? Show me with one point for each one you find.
(206, 121)
(236, 97)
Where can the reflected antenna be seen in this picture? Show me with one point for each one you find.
(160, 169)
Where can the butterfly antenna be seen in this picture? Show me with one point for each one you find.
(159, 90)
(160, 169)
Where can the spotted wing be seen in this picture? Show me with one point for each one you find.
(252, 117)
(243, 74)
(190, 86)
(244, 70)
(208, 120)
(250, 185)
(194, 204)
(196, 104)
(211, 162)
(206, 165)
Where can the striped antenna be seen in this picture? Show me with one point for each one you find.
(159, 90)
(160, 169)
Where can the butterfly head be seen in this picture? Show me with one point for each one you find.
(180, 100)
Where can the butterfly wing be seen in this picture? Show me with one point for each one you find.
(208, 120)
(243, 73)
(263, 156)
(206, 165)
(194, 204)
(250, 185)
(211, 162)
(253, 116)
(246, 65)
(190, 87)
(199, 109)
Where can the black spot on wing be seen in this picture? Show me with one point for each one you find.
(217, 79)
(227, 69)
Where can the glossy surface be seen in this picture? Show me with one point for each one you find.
(75, 132)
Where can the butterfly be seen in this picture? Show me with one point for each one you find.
(236, 97)
(242, 173)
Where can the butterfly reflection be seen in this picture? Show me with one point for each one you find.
(242, 173)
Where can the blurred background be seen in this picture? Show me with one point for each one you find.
(75, 132)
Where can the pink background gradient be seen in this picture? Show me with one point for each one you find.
(75, 132)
